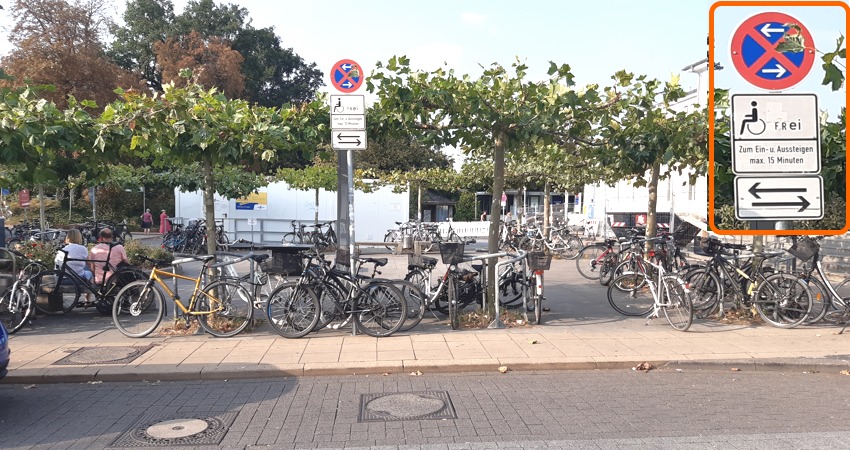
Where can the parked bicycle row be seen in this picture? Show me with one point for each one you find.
(530, 236)
(26, 231)
(784, 291)
(428, 234)
(322, 235)
(192, 238)
(325, 295)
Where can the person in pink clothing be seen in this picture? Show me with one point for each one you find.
(164, 223)
(99, 253)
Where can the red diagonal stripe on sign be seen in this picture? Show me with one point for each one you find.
(770, 52)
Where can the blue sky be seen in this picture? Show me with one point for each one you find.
(596, 38)
(653, 37)
(825, 24)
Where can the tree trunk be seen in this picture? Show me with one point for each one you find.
(209, 205)
(651, 220)
(316, 217)
(547, 199)
(70, 202)
(495, 218)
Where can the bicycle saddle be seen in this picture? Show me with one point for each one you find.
(260, 258)
(379, 262)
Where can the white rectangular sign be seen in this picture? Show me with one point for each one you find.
(775, 157)
(348, 139)
(348, 104)
(348, 121)
(779, 198)
(775, 133)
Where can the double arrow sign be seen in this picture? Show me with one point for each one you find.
(348, 122)
(776, 198)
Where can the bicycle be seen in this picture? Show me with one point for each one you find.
(223, 307)
(63, 286)
(261, 279)
(567, 248)
(16, 302)
(807, 249)
(781, 299)
(376, 308)
(669, 294)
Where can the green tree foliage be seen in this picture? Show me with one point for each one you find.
(273, 75)
(465, 207)
(646, 140)
(188, 125)
(494, 114)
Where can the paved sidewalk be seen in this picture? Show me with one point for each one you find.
(581, 332)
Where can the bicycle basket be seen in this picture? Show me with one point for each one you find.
(539, 260)
(706, 246)
(684, 233)
(451, 252)
(804, 248)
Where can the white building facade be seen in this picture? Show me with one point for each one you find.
(675, 194)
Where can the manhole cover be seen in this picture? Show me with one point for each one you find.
(177, 428)
(173, 430)
(406, 406)
(103, 355)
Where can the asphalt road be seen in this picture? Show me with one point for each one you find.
(593, 409)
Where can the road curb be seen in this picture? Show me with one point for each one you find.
(201, 372)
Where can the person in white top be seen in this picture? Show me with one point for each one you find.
(77, 254)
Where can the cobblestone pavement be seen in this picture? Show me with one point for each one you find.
(573, 409)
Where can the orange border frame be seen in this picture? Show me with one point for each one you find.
(766, 4)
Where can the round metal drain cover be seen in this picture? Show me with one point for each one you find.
(104, 355)
(405, 405)
(177, 428)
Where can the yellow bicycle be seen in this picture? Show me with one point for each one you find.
(223, 307)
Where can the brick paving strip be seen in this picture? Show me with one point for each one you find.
(581, 332)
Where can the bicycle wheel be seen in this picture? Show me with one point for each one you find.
(381, 310)
(113, 285)
(510, 289)
(391, 236)
(415, 301)
(630, 295)
(783, 300)
(290, 238)
(138, 309)
(587, 261)
(56, 292)
(225, 308)
(706, 291)
(820, 301)
(332, 305)
(607, 269)
(293, 310)
(572, 247)
(16, 307)
(676, 303)
(453, 302)
(425, 238)
(275, 277)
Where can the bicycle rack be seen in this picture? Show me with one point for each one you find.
(520, 256)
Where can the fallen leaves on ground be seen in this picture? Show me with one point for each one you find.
(30, 386)
(735, 369)
(503, 369)
(416, 374)
(478, 319)
(385, 374)
(845, 372)
(533, 341)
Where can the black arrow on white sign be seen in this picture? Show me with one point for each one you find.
(803, 203)
(755, 190)
(340, 138)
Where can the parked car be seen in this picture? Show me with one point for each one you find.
(5, 353)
